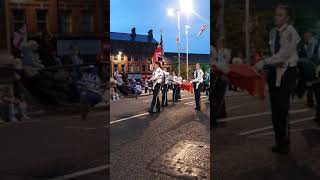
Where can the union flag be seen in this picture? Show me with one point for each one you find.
(158, 53)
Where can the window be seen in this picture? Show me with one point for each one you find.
(129, 57)
(115, 67)
(65, 22)
(137, 68)
(41, 20)
(143, 68)
(136, 58)
(19, 18)
(86, 22)
(122, 56)
(130, 68)
(123, 68)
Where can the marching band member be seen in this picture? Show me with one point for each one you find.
(308, 53)
(175, 84)
(156, 78)
(197, 85)
(179, 87)
(165, 87)
(281, 74)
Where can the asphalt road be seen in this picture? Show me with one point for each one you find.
(55, 147)
(138, 139)
(242, 147)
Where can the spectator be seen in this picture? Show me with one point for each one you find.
(90, 90)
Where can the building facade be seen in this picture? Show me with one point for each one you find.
(132, 53)
(59, 16)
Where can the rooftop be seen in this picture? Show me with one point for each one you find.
(193, 57)
(127, 37)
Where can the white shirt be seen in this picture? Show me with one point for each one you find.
(237, 60)
(175, 79)
(198, 76)
(166, 77)
(289, 39)
(157, 76)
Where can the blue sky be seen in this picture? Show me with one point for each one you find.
(147, 14)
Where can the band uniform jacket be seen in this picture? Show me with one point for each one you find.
(287, 56)
(198, 77)
(157, 76)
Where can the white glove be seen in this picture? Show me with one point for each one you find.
(259, 65)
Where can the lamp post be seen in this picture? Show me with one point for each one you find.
(187, 9)
(187, 50)
(171, 12)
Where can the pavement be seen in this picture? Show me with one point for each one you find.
(241, 148)
(56, 146)
(140, 142)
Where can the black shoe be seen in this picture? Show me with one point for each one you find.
(280, 150)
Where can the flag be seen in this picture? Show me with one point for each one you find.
(178, 39)
(158, 53)
(245, 77)
(202, 28)
(20, 37)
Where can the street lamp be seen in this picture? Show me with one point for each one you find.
(171, 12)
(187, 8)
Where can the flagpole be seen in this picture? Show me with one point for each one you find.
(178, 12)
(247, 31)
(187, 53)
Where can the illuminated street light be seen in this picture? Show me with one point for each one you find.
(171, 12)
(186, 7)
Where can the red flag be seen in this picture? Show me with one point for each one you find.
(245, 77)
(158, 53)
(186, 86)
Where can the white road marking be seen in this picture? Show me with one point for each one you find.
(193, 102)
(5, 124)
(82, 173)
(240, 106)
(260, 114)
(81, 128)
(270, 127)
(272, 133)
(127, 118)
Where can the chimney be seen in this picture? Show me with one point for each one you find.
(133, 33)
(150, 35)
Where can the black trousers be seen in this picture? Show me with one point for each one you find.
(179, 92)
(145, 89)
(155, 104)
(217, 102)
(197, 94)
(280, 103)
(165, 95)
(175, 93)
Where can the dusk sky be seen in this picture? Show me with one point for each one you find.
(146, 14)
